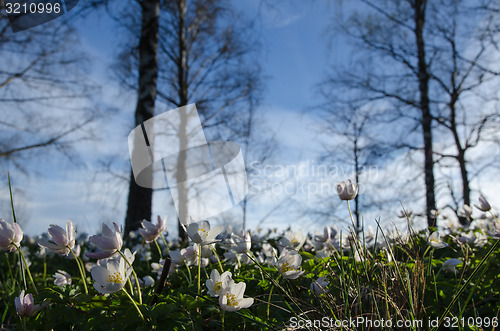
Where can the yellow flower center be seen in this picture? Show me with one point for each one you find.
(231, 300)
(217, 286)
(285, 266)
(205, 232)
(116, 278)
(294, 241)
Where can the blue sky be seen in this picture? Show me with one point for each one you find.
(296, 55)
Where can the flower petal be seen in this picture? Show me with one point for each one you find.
(18, 234)
(239, 289)
(100, 274)
(104, 243)
(101, 254)
(245, 303)
(58, 235)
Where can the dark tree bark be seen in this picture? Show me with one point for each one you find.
(357, 172)
(204, 57)
(460, 154)
(462, 71)
(140, 198)
(182, 74)
(206, 54)
(437, 63)
(423, 79)
(378, 35)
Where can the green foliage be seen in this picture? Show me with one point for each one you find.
(400, 281)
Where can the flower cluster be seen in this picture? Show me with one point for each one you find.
(278, 257)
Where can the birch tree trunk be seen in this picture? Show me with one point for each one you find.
(140, 198)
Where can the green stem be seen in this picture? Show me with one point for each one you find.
(159, 249)
(363, 256)
(269, 300)
(23, 322)
(496, 219)
(135, 276)
(44, 271)
(473, 274)
(357, 242)
(11, 200)
(27, 268)
(10, 271)
(217, 256)
(435, 286)
(238, 260)
(23, 273)
(206, 273)
(249, 317)
(275, 282)
(135, 304)
(352, 220)
(222, 319)
(138, 285)
(428, 248)
(189, 272)
(82, 274)
(165, 242)
(130, 286)
(83, 266)
(199, 269)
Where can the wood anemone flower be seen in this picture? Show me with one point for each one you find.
(202, 233)
(465, 211)
(450, 265)
(318, 286)
(347, 191)
(231, 297)
(151, 231)
(25, 305)
(10, 236)
(110, 276)
(241, 244)
(289, 264)
(217, 282)
(436, 241)
(484, 205)
(61, 279)
(110, 242)
(62, 241)
(292, 240)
